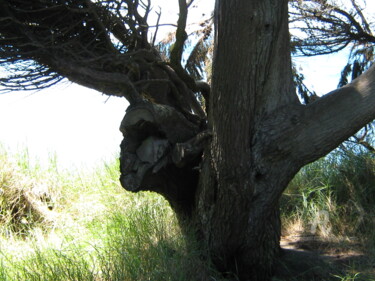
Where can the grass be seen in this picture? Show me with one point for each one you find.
(82, 225)
(338, 192)
(64, 225)
(332, 201)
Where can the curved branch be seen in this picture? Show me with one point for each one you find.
(363, 19)
(338, 115)
(183, 153)
(183, 92)
(181, 35)
(110, 83)
(352, 21)
(312, 131)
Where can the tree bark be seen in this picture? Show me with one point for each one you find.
(236, 208)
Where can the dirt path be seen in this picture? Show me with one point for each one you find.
(321, 259)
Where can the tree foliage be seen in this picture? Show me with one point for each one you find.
(110, 46)
(92, 43)
(55, 39)
(322, 27)
(328, 26)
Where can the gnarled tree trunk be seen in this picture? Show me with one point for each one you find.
(225, 177)
(233, 201)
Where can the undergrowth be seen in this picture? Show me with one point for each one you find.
(333, 200)
(334, 196)
(82, 225)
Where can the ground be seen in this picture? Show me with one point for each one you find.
(311, 257)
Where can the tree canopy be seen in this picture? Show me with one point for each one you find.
(326, 27)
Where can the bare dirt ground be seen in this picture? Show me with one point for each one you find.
(310, 257)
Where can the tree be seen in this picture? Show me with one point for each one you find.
(224, 170)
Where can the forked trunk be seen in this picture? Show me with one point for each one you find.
(225, 175)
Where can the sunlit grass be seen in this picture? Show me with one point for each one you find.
(58, 224)
(81, 225)
(333, 200)
(338, 193)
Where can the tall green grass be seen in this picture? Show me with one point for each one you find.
(337, 193)
(333, 200)
(88, 229)
(60, 224)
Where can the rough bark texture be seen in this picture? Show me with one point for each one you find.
(222, 174)
(237, 209)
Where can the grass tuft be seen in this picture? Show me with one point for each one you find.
(335, 194)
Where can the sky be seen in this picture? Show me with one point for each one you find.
(78, 125)
(81, 126)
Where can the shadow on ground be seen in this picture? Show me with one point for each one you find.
(307, 257)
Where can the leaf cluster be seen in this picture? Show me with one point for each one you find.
(41, 42)
(322, 27)
(104, 45)
(325, 27)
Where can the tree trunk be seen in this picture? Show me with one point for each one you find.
(237, 200)
(242, 237)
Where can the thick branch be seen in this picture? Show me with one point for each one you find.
(312, 131)
(183, 153)
(338, 115)
(110, 83)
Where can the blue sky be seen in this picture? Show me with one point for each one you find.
(81, 126)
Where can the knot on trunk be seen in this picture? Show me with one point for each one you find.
(161, 151)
